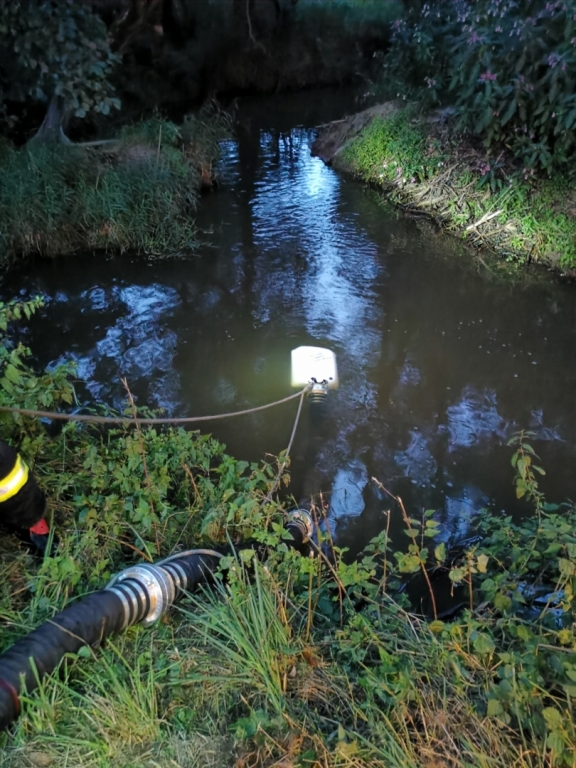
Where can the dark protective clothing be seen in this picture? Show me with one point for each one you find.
(22, 503)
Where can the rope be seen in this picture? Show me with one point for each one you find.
(278, 477)
(131, 421)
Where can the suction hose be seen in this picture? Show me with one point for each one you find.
(138, 594)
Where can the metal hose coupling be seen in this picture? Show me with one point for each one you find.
(318, 391)
(146, 592)
(301, 519)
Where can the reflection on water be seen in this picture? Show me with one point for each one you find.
(133, 345)
(474, 419)
(439, 365)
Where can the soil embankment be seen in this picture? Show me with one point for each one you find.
(421, 164)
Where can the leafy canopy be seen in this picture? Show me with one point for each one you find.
(50, 49)
(508, 69)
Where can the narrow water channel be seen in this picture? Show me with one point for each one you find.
(440, 363)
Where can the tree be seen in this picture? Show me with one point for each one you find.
(56, 53)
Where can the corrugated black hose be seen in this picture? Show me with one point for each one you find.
(139, 594)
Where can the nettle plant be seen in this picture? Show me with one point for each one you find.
(508, 68)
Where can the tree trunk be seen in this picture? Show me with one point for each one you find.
(51, 131)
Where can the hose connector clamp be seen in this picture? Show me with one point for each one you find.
(318, 391)
(301, 519)
(158, 585)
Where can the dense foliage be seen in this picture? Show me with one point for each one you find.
(98, 488)
(52, 49)
(177, 51)
(297, 662)
(508, 68)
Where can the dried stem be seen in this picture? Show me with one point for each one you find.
(191, 476)
(385, 559)
(406, 519)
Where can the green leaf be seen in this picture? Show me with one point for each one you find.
(482, 563)
(521, 467)
(495, 708)
(524, 633)
(457, 575)
(440, 553)
(484, 644)
(569, 119)
(554, 718)
(510, 110)
(555, 741)
(409, 564)
(12, 374)
(502, 602)
(567, 567)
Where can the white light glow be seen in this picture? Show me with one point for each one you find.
(314, 363)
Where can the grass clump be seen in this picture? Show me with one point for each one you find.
(314, 662)
(428, 168)
(138, 193)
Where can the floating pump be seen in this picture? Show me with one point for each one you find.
(315, 366)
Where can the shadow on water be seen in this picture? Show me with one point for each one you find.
(439, 365)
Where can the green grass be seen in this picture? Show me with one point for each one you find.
(138, 194)
(235, 675)
(428, 169)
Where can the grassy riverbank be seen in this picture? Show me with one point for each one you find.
(299, 663)
(421, 164)
(136, 193)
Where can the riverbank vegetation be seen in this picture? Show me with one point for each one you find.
(135, 193)
(487, 146)
(296, 661)
(428, 169)
(102, 69)
(110, 61)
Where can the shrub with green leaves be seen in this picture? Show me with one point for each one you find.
(52, 49)
(509, 69)
(123, 492)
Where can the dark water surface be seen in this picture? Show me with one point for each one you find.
(439, 363)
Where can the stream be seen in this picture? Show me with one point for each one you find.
(440, 362)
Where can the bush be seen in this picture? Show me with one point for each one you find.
(508, 68)
(55, 49)
(125, 490)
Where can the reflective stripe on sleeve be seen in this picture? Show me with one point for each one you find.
(13, 482)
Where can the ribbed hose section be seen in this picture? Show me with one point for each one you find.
(189, 571)
(87, 622)
(136, 598)
(138, 594)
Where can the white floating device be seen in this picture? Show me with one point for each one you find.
(315, 365)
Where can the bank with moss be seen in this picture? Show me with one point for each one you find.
(421, 164)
